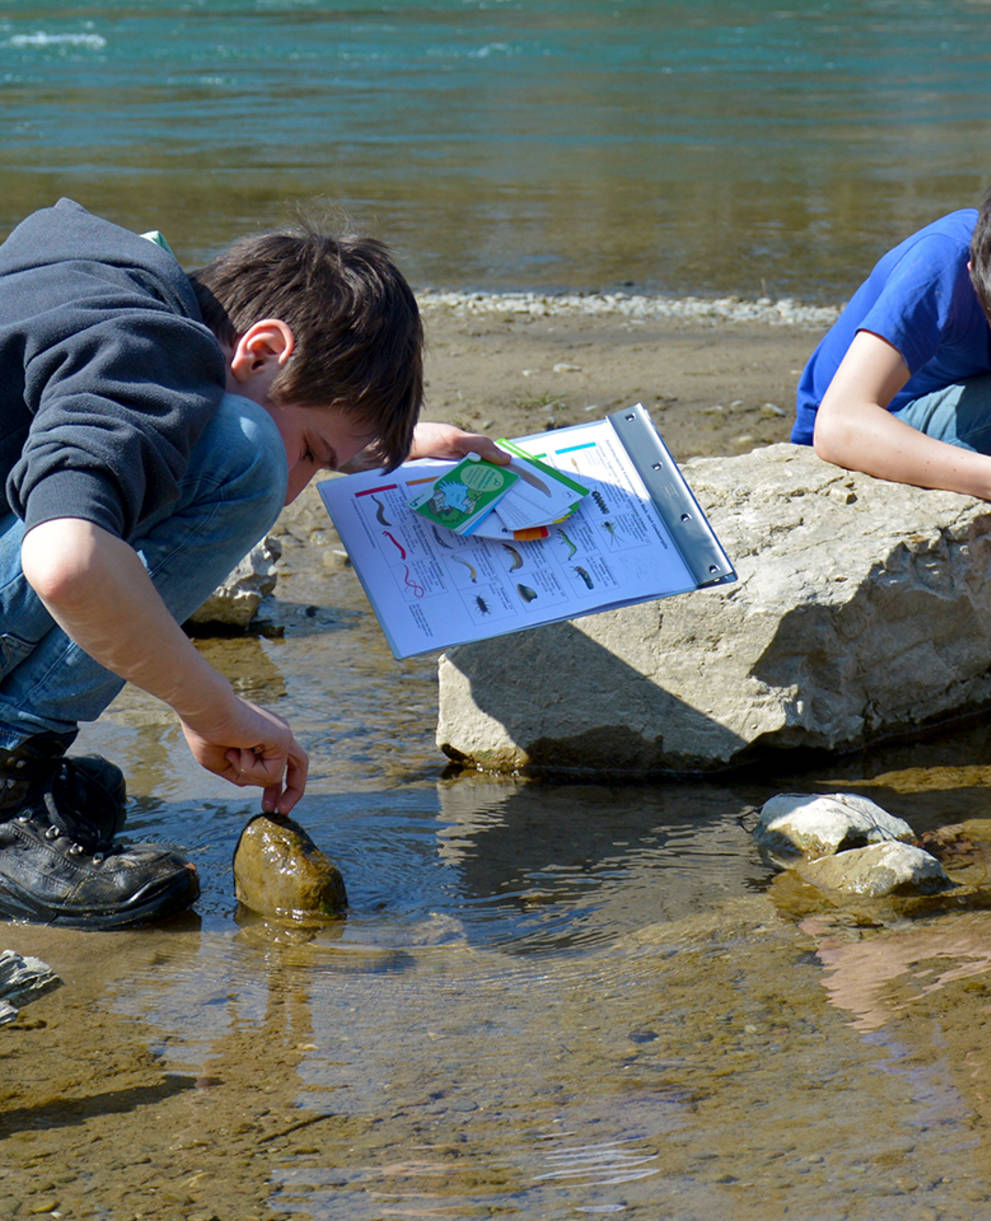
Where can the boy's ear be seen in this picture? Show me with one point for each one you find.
(263, 348)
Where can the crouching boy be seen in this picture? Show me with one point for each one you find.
(153, 423)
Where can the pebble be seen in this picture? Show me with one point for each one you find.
(280, 872)
(784, 310)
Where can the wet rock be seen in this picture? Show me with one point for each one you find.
(23, 980)
(795, 825)
(235, 602)
(964, 851)
(888, 868)
(279, 872)
(862, 610)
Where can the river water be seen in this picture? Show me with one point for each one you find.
(546, 1001)
(725, 146)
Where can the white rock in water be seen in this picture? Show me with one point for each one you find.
(23, 980)
(877, 870)
(802, 824)
(235, 602)
(862, 610)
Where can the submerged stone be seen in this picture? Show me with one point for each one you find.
(886, 868)
(280, 872)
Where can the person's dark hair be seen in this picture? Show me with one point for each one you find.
(359, 338)
(980, 256)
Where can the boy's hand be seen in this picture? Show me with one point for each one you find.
(447, 441)
(254, 747)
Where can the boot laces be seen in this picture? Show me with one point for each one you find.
(53, 830)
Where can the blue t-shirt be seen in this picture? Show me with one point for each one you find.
(920, 299)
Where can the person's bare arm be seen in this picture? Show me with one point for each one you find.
(432, 440)
(855, 430)
(96, 588)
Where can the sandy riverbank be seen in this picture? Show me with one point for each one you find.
(716, 383)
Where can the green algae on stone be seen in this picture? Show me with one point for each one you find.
(280, 872)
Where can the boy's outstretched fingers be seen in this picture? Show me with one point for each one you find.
(280, 798)
(282, 778)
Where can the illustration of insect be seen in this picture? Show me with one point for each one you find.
(570, 545)
(380, 512)
(585, 576)
(600, 500)
(526, 593)
(482, 605)
(517, 558)
(439, 537)
(471, 567)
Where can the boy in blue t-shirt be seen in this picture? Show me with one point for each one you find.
(900, 386)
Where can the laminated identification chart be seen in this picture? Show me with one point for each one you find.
(636, 534)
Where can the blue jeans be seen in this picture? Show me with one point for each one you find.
(232, 492)
(959, 414)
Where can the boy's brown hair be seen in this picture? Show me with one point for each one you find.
(980, 256)
(359, 338)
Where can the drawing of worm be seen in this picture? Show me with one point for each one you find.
(380, 512)
(584, 576)
(392, 538)
(482, 605)
(571, 546)
(471, 567)
(524, 472)
(418, 590)
(600, 500)
(526, 593)
(517, 558)
(443, 542)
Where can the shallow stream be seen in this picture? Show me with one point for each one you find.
(546, 1001)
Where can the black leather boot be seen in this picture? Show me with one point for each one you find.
(89, 791)
(58, 862)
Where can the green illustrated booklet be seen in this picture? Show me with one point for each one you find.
(464, 495)
(491, 501)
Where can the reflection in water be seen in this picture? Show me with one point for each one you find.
(887, 975)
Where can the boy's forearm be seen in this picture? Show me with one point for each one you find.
(866, 437)
(99, 592)
(96, 588)
(855, 429)
(433, 440)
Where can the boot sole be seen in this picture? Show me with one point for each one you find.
(154, 902)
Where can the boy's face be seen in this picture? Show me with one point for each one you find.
(316, 439)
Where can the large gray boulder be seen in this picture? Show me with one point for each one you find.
(862, 610)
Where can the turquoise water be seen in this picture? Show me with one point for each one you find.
(723, 146)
